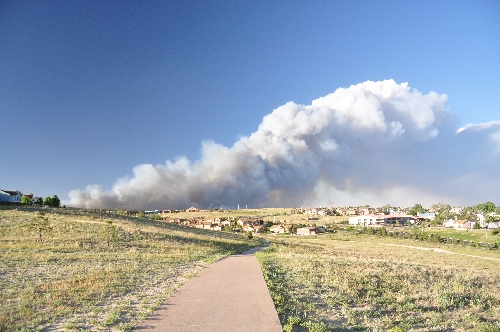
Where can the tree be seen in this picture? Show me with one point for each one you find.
(468, 213)
(443, 212)
(47, 201)
(39, 201)
(56, 202)
(416, 209)
(27, 200)
(487, 207)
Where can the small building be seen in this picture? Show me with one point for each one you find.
(307, 231)
(369, 220)
(259, 228)
(192, 209)
(428, 215)
(248, 228)
(278, 229)
(250, 221)
(493, 225)
(464, 224)
(449, 223)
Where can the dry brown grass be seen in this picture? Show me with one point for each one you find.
(96, 271)
(345, 282)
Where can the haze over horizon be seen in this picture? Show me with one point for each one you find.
(383, 102)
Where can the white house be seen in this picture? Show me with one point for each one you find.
(13, 196)
(427, 215)
(449, 223)
(366, 220)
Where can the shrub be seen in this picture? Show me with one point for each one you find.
(397, 329)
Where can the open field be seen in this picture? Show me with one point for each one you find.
(478, 235)
(70, 269)
(278, 215)
(344, 282)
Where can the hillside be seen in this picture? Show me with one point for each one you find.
(82, 269)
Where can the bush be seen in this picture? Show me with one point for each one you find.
(397, 329)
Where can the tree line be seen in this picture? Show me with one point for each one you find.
(53, 201)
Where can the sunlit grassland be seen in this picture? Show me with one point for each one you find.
(278, 215)
(478, 235)
(346, 282)
(92, 271)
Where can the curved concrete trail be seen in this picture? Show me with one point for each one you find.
(229, 295)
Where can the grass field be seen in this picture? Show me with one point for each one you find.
(278, 215)
(479, 235)
(69, 269)
(344, 282)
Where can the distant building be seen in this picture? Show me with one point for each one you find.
(427, 215)
(366, 220)
(10, 197)
(382, 219)
(307, 231)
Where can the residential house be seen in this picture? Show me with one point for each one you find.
(248, 228)
(449, 223)
(494, 225)
(312, 211)
(259, 228)
(364, 211)
(278, 229)
(464, 224)
(323, 213)
(250, 221)
(307, 231)
(349, 211)
(10, 197)
(192, 209)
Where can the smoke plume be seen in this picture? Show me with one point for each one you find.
(372, 143)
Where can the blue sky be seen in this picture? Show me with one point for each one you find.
(90, 89)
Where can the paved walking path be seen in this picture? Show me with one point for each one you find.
(229, 295)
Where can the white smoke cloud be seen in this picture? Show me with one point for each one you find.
(369, 143)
